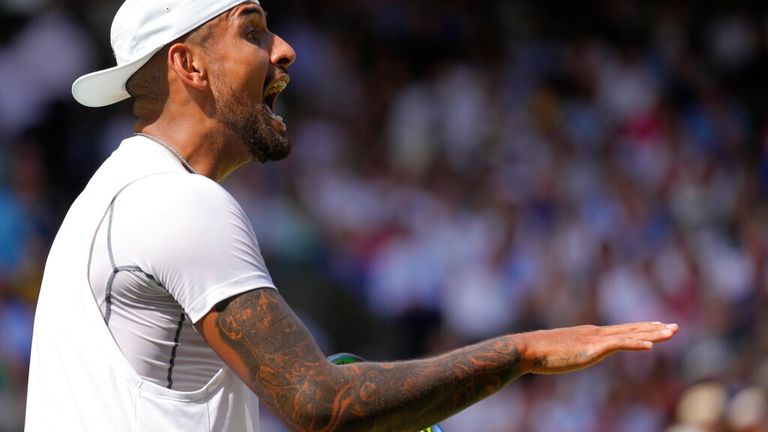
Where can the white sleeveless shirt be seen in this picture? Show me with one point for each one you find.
(186, 248)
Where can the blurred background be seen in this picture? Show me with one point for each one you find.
(461, 170)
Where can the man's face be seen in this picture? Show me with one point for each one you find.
(247, 73)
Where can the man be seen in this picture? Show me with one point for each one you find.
(157, 311)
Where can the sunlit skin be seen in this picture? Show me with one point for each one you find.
(210, 87)
(258, 335)
(242, 55)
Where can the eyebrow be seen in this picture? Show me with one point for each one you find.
(253, 9)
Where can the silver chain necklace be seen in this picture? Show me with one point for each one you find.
(183, 161)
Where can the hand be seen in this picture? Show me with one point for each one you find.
(572, 348)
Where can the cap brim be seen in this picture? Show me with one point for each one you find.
(107, 86)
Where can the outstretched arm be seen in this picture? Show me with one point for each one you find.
(264, 342)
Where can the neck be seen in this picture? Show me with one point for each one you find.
(173, 151)
(203, 144)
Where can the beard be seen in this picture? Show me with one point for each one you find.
(251, 121)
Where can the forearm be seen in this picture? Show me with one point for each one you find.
(291, 375)
(264, 342)
(415, 394)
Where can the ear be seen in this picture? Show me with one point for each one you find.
(188, 62)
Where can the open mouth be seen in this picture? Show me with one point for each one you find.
(273, 90)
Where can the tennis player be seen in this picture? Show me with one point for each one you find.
(157, 312)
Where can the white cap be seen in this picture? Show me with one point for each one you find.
(140, 29)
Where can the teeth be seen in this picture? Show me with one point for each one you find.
(275, 116)
(276, 88)
(280, 120)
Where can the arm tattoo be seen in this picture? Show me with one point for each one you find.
(280, 361)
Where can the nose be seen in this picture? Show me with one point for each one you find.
(283, 54)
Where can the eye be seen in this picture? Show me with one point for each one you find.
(253, 35)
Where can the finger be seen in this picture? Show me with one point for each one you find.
(628, 344)
(642, 327)
(633, 327)
(616, 345)
(644, 340)
(653, 337)
(664, 333)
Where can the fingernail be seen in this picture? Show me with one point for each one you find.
(666, 332)
(648, 344)
(671, 326)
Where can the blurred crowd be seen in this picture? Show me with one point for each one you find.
(461, 170)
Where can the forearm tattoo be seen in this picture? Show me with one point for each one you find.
(282, 363)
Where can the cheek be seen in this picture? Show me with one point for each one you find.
(249, 66)
(246, 80)
(242, 68)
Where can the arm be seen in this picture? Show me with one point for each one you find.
(263, 341)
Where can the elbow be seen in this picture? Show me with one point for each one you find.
(322, 402)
